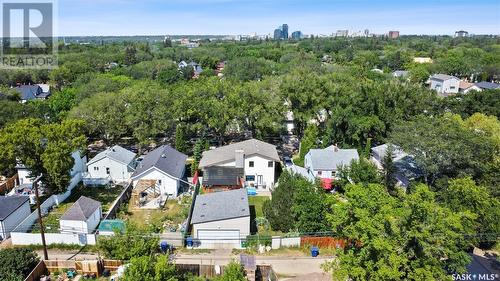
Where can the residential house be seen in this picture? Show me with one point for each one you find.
(324, 163)
(13, 210)
(258, 159)
(164, 166)
(465, 87)
(220, 178)
(115, 164)
(219, 69)
(25, 179)
(444, 84)
(83, 217)
(406, 167)
(487, 85)
(221, 219)
(422, 60)
(197, 69)
(400, 74)
(301, 171)
(31, 92)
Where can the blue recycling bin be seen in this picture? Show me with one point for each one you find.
(189, 242)
(164, 246)
(314, 252)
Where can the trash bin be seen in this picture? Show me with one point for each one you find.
(189, 242)
(314, 252)
(164, 246)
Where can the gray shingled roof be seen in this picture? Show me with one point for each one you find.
(406, 166)
(328, 159)
(116, 153)
(301, 171)
(8, 204)
(29, 92)
(165, 159)
(488, 85)
(227, 153)
(442, 77)
(82, 209)
(221, 206)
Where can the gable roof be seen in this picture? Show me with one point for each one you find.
(9, 204)
(116, 153)
(82, 209)
(443, 77)
(165, 159)
(221, 206)
(488, 85)
(465, 85)
(405, 164)
(29, 92)
(301, 171)
(249, 147)
(331, 157)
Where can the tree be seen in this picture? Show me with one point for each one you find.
(17, 263)
(130, 55)
(389, 170)
(413, 238)
(308, 142)
(247, 68)
(180, 139)
(45, 149)
(360, 171)
(149, 268)
(463, 195)
(232, 272)
(278, 209)
(125, 246)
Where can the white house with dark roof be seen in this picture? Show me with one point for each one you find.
(258, 159)
(83, 217)
(405, 165)
(487, 85)
(221, 219)
(13, 210)
(165, 166)
(115, 164)
(444, 84)
(324, 163)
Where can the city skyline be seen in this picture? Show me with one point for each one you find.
(233, 17)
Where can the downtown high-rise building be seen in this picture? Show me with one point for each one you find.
(284, 30)
(281, 33)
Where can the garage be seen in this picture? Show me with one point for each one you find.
(219, 239)
(221, 220)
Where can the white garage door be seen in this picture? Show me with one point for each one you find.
(219, 239)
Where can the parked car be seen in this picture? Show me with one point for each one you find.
(287, 161)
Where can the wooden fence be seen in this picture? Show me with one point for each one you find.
(123, 197)
(323, 242)
(8, 185)
(37, 272)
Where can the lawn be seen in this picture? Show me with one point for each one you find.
(258, 202)
(105, 195)
(173, 214)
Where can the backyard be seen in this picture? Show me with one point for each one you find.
(104, 194)
(174, 213)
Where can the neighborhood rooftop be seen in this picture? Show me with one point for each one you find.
(488, 85)
(82, 209)
(249, 147)
(165, 159)
(221, 206)
(219, 175)
(330, 158)
(8, 204)
(442, 77)
(116, 153)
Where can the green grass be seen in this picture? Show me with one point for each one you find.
(258, 202)
(105, 195)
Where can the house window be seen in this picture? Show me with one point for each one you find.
(250, 178)
(320, 173)
(96, 168)
(270, 164)
(159, 182)
(107, 171)
(251, 164)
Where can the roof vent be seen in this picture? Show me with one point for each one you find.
(202, 216)
(163, 155)
(204, 204)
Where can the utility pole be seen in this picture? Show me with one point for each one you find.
(42, 230)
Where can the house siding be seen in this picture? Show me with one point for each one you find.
(168, 184)
(118, 172)
(71, 226)
(449, 86)
(260, 168)
(241, 224)
(14, 219)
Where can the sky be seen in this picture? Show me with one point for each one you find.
(233, 17)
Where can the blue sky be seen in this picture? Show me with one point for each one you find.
(155, 17)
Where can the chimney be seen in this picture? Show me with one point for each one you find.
(239, 158)
(335, 148)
